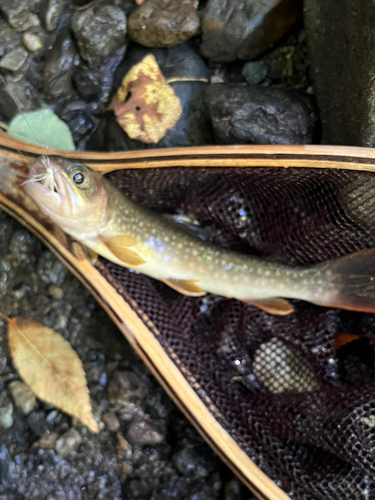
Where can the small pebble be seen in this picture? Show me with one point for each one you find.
(32, 42)
(54, 291)
(14, 60)
(51, 270)
(254, 72)
(122, 443)
(126, 468)
(190, 464)
(111, 421)
(142, 433)
(37, 422)
(22, 396)
(48, 440)
(68, 442)
(124, 386)
(6, 411)
(51, 11)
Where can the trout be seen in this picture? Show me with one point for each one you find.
(95, 213)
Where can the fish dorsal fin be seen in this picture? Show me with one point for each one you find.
(186, 287)
(272, 305)
(119, 247)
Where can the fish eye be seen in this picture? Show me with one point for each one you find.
(78, 178)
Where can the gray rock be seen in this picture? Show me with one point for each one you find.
(163, 23)
(341, 44)
(99, 32)
(68, 442)
(244, 114)
(21, 92)
(111, 421)
(244, 29)
(6, 464)
(37, 422)
(6, 411)
(142, 433)
(124, 386)
(22, 396)
(31, 41)
(51, 270)
(16, 11)
(58, 71)
(14, 60)
(50, 12)
(9, 38)
(254, 72)
(190, 464)
(87, 82)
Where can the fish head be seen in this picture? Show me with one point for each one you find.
(71, 194)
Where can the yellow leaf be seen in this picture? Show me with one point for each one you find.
(145, 105)
(50, 367)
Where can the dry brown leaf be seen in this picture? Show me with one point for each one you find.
(50, 367)
(145, 105)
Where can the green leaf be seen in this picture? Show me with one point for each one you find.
(42, 127)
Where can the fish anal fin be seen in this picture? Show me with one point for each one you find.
(272, 305)
(119, 247)
(186, 287)
(345, 338)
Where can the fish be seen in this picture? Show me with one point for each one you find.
(89, 208)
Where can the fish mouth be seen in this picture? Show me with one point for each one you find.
(45, 183)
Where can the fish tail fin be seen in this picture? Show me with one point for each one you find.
(352, 280)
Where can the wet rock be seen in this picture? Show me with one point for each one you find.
(241, 29)
(342, 68)
(16, 11)
(21, 100)
(192, 129)
(37, 422)
(51, 11)
(244, 114)
(190, 464)
(68, 442)
(254, 72)
(32, 42)
(54, 291)
(6, 411)
(58, 71)
(79, 119)
(22, 396)
(48, 440)
(111, 421)
(87, 82)
(51, 270)
(123, 387)
(163, 23)
(9, 38)
(6, 464)
(14, 60)
(99, 32)
(142, 433)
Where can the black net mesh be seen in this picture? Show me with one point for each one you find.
(302, 410)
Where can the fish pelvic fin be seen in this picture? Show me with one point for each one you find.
(272, 305)
(353, 281)
(186, 287)
(119, 247)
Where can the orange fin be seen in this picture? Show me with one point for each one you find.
(186, 287)
(345, 338)
(119, 247)
(273, 305)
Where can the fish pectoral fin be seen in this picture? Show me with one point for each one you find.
(186, 287)
(119, 247)
(272, 305)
